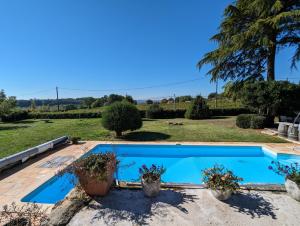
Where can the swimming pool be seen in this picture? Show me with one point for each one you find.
(184, 164)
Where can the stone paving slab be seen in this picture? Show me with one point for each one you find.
(189, 207)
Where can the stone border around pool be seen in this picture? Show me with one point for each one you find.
(255, 187)
(23, 156)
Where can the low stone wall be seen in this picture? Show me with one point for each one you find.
(29, 153)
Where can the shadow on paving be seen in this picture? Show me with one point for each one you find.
(252, 204)
(117, 206)
(145, 136)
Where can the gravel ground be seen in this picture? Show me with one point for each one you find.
(189, 207)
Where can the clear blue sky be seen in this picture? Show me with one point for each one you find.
(108, 44)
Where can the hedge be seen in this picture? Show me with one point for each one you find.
(64, 115)
(180, 113)
(252, 121)
(258, 122)
(244, 121)
(14, 116)
(165, 114)
(229, 111)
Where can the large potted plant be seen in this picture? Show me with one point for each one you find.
(292, 177)
(95, 173)
(221, 182)
(151, 179)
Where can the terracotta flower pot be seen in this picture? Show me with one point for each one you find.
(292, 189)
(151, 189)
(221, 195)
(92, 185)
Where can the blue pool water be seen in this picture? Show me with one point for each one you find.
(184, 164)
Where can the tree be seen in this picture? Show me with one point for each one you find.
(154, 111)
(98, 103)
(88, 101)
(212, 95)
(6, 103)
(2, 96)
(114, 98)
(184, 98)
(130, 99)
(70, 107)
(164, 101)
(149, 101)
(251, 34)
(198, 109)
(271, 98)
(33, 105)
(120, 117)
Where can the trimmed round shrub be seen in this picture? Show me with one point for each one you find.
(258, 122)
(244, 121)
(198, 109)
(120, 117)
(252, 121)
(154, 111)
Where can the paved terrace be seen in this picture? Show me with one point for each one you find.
(21, 180)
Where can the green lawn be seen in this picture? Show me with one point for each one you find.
(222, 103)
(15, 137)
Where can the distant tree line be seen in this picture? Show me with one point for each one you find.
(6, 103)
(73, 103)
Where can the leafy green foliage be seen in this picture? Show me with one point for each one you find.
(15, 115)
(149, 101)
(154, 111)
(95, 165)
(98, 103)
(219, 178)
(252, 121)
(70, 107)
(114, 98)
(151, 174)
(75, 140)
(7, 104)
(88, 101)
(184, 98)
(64, 115)
(291, 172)
(250, 35)
(271, 98)
(258, 122)
(20, 215)
(244, 121)
(121, 116)
(198, 109)
(129, 99)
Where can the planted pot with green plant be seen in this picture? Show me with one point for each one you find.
(95, 173)
(151, 179)
(221, 182)
(292, 177)
(75, 140)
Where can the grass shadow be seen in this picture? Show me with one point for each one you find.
(116, 207)
(12, 127)
(145, 136)
(220, 117)
(252, 204)
(149, 120)
(24, 122)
